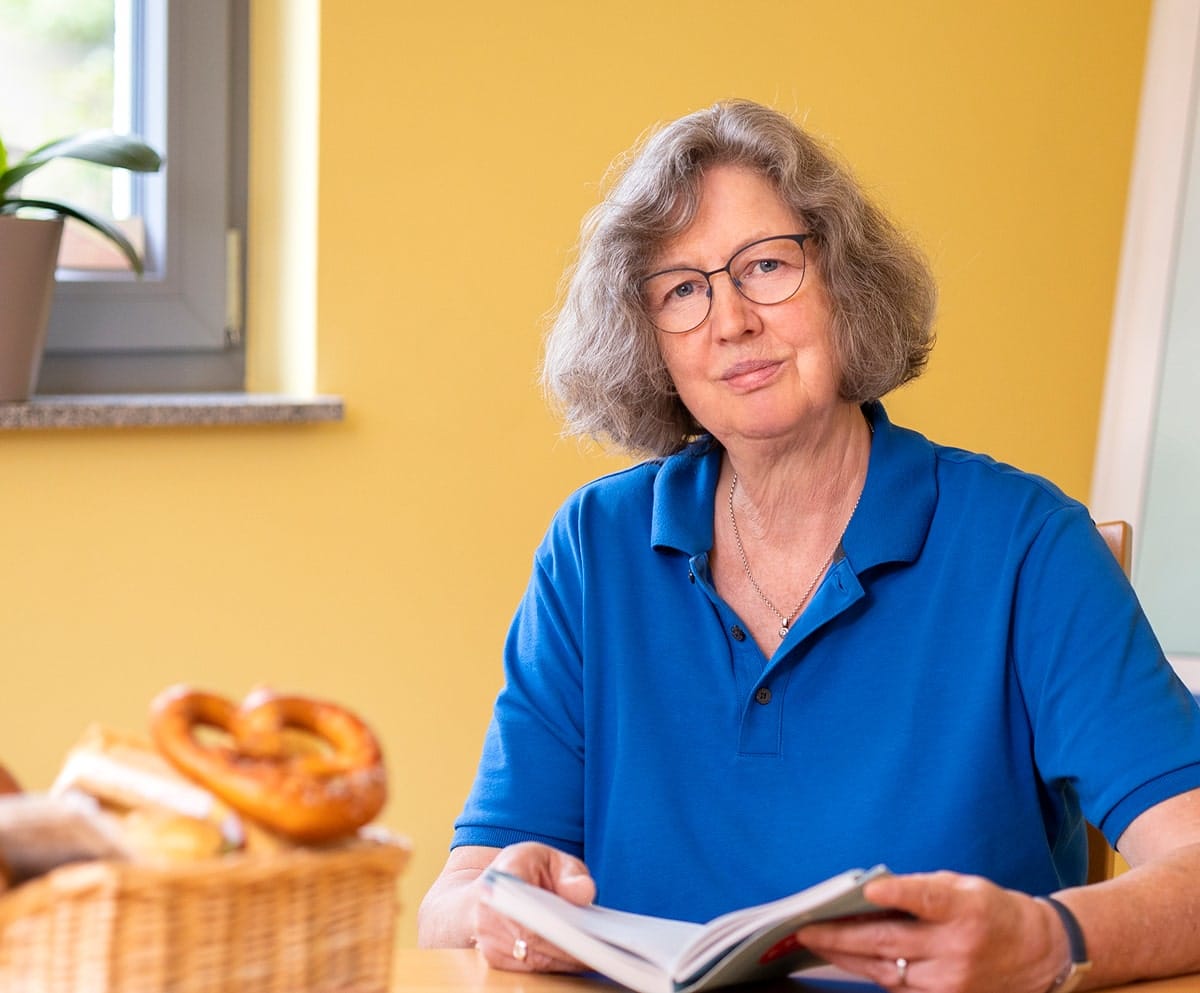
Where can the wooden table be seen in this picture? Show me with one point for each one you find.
(464, 971)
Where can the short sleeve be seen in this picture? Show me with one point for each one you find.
(1111, 719)
(529, 784)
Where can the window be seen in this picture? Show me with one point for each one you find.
(175, 73)
(1147, 470)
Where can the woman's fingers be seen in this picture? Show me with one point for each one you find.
(550, 869)
(957, 932)
(505, 946)
(503, 943)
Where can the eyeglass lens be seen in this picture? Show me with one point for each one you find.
(766, 272)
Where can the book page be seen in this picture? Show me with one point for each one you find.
(655, 939)
(568, 926)
(837, 896)
(655, 955)
(769, 951)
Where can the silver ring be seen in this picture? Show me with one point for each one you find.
(520, 949)
(901, 971)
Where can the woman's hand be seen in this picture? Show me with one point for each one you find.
(962, 934)
(455, 912)
(502, 941)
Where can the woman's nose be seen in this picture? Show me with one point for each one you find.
(729, 314)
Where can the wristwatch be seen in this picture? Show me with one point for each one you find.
(1073, 972)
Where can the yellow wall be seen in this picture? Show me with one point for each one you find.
(378, 560)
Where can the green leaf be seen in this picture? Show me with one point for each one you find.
(91, 220)
(99, 147)
(3, 161)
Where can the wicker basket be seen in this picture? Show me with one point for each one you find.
(302, 922)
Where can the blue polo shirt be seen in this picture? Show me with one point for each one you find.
(973, 677)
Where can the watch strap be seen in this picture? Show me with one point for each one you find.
(1074, 971)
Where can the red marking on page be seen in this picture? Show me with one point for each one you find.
(791, 943)
(781, 948)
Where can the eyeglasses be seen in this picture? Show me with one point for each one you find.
(766, 272)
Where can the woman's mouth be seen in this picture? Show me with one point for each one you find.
(750, 374)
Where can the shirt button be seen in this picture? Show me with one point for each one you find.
(762, 695)
(691, 577)
(738, 633)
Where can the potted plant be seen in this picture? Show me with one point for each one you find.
(30, 232)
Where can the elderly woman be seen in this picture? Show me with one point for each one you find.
(802, 638)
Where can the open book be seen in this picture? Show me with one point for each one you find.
(655, 955)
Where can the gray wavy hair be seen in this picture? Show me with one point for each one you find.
(602, 364)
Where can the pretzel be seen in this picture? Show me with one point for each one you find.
(7, 783)
(312, 795)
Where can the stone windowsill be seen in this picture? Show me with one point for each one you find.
(167, 410)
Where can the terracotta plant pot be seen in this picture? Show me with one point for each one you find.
(28, 255)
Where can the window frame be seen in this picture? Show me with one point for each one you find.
(180, 327)
(1132, 390)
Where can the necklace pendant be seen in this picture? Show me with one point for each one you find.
(783, 630)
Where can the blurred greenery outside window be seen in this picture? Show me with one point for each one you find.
(70, 61)
(174, 72)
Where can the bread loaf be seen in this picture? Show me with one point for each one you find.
(125, 773)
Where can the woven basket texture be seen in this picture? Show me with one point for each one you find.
(303, 921)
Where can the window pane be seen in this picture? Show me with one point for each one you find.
(173, 72)
(59, 56)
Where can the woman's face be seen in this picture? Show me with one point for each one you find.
(750, 372)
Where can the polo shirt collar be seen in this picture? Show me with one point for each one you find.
(897, 504)
(890, 524)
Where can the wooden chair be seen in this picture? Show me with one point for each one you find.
(1118, 535)
(1103, 862)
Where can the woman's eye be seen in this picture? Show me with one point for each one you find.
(675, 290)
(761, 267)
(683, 292)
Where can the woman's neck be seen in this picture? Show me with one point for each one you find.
(822, 472)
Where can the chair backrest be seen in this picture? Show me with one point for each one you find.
(1102, 860)
(1118, 535)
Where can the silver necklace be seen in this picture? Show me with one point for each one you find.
(785, 620)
